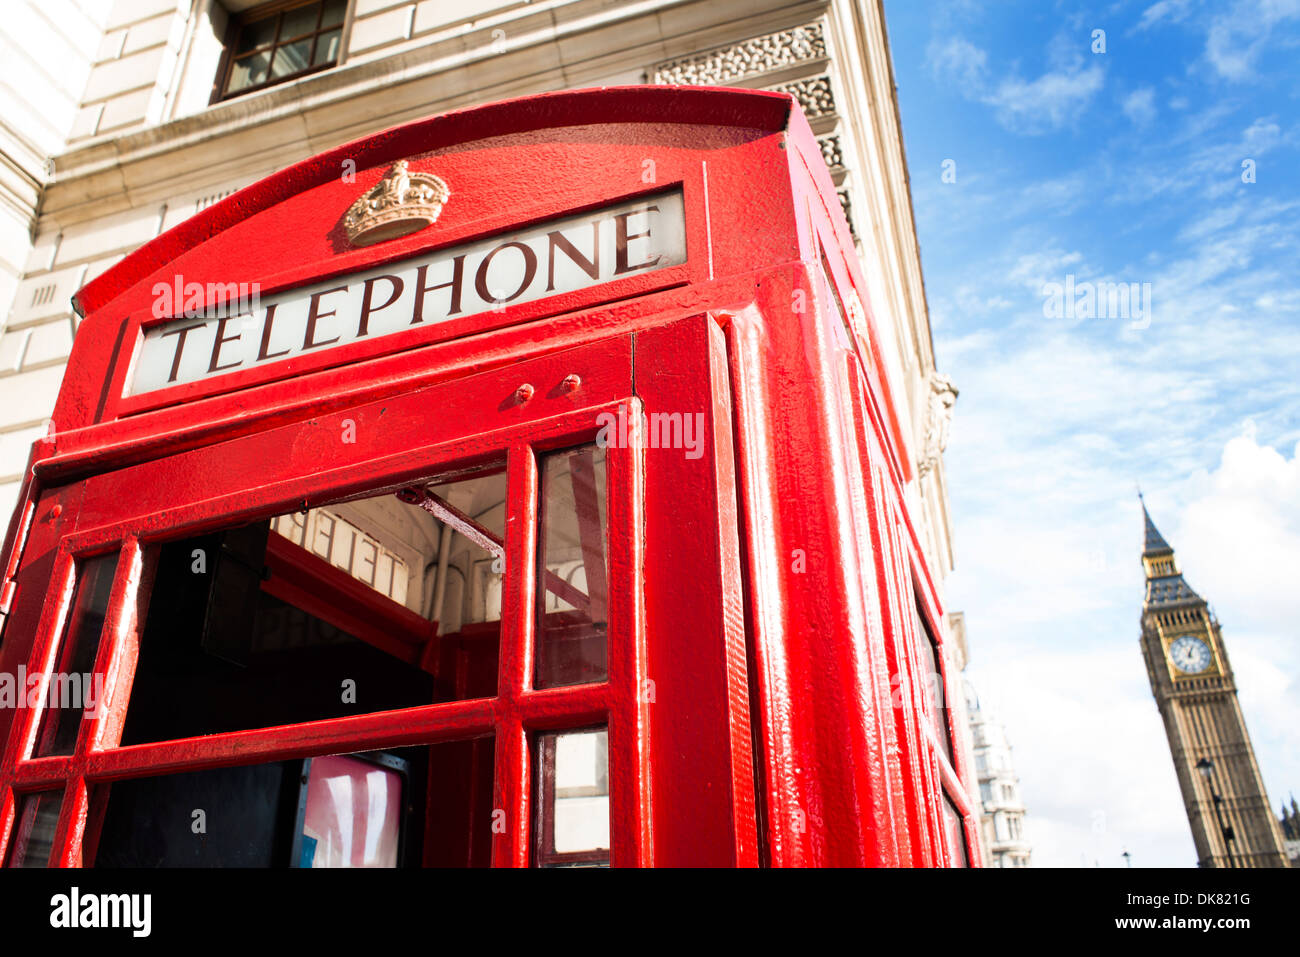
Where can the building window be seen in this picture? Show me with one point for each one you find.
(277, 42)
(1013, 828)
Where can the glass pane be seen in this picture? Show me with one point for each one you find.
(374, 604)
(475, 511)
(74, 687)
(250, 71)
(33, 834)
(333, 14)
(327, 48)
(401, 807)
(573, 810)
(259, 33)
(955, 833)
(299, 21)
(290, 59)
(932, 689)
(573, 569)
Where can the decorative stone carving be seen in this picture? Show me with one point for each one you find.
(759, 55)
(814, 95)
(938, 417)
(847, 205)
(831, 153)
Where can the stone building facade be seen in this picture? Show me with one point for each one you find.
(1002, 823)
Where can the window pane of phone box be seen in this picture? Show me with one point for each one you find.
(33, 833)
(404, 807)
(573, 569)
(352, 608)
(73, 688)
(573, 809)
(955, 832)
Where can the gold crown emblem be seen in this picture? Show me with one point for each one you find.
(399, 204)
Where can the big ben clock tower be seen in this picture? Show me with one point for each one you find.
(1232, 822)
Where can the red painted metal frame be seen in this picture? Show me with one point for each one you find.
(106, 514)
(763, 595)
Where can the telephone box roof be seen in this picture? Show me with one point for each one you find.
(705, 106)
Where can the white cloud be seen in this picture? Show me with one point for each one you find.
(1173, 11)
(1236, 37)
(1242, 529)
(957, 60)
(1089, 747)
(1036, 269)
(1238, 541)
(1046, 103)
(1035, 106)
(1140, 106)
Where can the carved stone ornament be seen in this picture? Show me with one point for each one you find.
(814, 95)
(399, 204)
(759, 55)
(937, 420)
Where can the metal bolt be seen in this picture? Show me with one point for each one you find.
(524, 393)
(571, 382)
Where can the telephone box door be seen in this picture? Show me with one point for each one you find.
(491, 620)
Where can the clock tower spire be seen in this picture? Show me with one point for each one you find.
(1223, 792)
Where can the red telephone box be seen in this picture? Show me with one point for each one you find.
(516, 487)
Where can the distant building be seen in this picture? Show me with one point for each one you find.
(1290, 824)
(1191, 677)
(1002, 822)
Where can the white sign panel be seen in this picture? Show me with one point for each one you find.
(564, 255)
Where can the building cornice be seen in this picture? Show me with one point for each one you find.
(299, 118)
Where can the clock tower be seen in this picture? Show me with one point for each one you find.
(1223, 792)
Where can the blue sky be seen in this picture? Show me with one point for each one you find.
(1117, 166)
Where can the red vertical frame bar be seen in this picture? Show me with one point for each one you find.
(66, 851)
(703, 786)
(115, 659)
(22, 733)
(913, 847)
(510, 808)
(631, 834)
(785, 834)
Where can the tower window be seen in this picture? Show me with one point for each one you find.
(277, 42)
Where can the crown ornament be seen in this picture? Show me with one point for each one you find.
(399, 204)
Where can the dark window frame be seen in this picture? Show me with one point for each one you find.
(238, 21)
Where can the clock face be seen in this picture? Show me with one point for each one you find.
(1190, 655)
